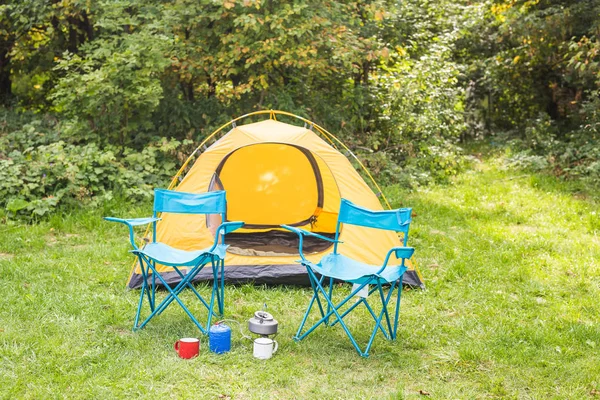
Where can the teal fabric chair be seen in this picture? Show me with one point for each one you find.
(153, 253)
(364, 277)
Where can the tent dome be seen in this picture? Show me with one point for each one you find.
(275, 173)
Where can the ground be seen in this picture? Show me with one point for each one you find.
(511, 309)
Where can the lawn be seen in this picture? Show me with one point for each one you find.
(511, 309)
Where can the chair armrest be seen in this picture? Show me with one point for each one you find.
(224, 229)
(230, 226)
(400, 253)
(403, 252)
(131, 223)
(301, 233)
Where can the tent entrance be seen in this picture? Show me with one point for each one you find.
(271, 184)
(268, 185)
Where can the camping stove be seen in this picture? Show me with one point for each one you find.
(262, 324)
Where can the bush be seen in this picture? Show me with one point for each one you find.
(36, 180)
(571, 156)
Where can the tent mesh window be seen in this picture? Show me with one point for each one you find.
(274, 242)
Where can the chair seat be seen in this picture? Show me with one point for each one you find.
(341, 267)
(166, 255)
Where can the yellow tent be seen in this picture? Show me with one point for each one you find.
(275, 173)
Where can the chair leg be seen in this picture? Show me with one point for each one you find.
(377, 321)
(172, 293)
(139, 309)
(315, 296)
(330, 293)
(216, 266)
(334, 310)
(178, 289)
(398, 298)
(173, 296)
(220, 287)
(352, 307)
(387, 316)
(222, 297)
(319, 300)
(215, 290)
(329, 314)
(143, 292)
(368, 307)
(186, 281)
(153, 303)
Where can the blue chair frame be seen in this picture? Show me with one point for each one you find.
(169, 201)
(336, 266)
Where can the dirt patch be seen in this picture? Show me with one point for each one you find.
(581, 196)
(119, 330)
(51, 240)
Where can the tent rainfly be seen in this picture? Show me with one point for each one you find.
(275, 173)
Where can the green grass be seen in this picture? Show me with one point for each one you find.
(511, 310)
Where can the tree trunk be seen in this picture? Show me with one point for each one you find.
(212, 88)
(80, 31)
(5, 81)
(190, 90)
(187, 88)
(72, 39)
(87, 27)
(366, 68)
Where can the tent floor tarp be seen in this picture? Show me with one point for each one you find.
(294, 274)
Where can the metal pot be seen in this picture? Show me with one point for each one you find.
(262, 323)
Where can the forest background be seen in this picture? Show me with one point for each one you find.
(104, 99)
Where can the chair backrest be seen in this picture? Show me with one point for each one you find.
(170, 201)
(392, 220)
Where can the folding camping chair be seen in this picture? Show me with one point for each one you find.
(168, 201)
(336, 266)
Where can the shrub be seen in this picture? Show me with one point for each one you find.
(36, 180)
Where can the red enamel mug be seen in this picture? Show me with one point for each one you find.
(187, 347)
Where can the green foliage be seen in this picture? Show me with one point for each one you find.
(543, 59)
(526, 161)
(419, 106)
(402, 82)
(37, 175)
(572, 156)
(114, 77)
(533, 72)
(33, 34)
(112, 92)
